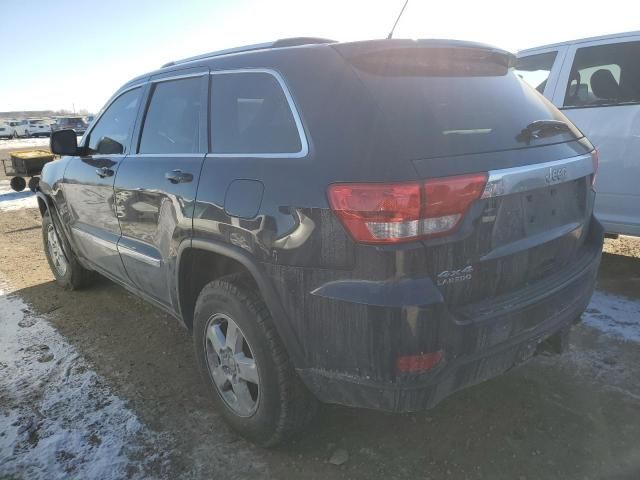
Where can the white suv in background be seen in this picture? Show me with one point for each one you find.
(5, 130)
(38, 128)
(17, 128)
(596, 83)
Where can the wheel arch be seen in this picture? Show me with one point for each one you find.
(43, 202)
(214, 260)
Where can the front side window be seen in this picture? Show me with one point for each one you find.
(535, 69)
(172, 122)
(604, 75)
(250, 114)
(110, 135)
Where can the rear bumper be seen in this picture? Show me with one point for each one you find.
(479, 343)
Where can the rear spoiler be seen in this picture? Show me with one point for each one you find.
(372, 54)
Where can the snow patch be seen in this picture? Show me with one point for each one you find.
(24, 143)
(58, 418)
(614, 315)
(11, 200)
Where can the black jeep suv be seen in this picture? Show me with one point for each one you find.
(375, 224)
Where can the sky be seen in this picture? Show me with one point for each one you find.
(75, 54)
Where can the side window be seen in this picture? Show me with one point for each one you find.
(604, 75)
(172, 121)
(535, 69)
(250, 114)
(110, 134)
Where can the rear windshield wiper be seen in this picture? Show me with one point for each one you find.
(540, 129)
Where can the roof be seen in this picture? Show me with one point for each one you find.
(581, 40)
(303, 45)
(282, 43)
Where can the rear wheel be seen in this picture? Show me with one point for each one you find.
(64, 265)
(245, 365)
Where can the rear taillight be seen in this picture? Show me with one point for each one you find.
(393, 213)
(419, 363)
(596, 164)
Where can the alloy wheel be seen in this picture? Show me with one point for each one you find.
(58, 258)
(231, 364)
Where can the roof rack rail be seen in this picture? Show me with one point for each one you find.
(282, 43)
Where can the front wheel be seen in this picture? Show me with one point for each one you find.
(244, 364)
(65, 267)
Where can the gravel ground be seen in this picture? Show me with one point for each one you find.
(98, 384)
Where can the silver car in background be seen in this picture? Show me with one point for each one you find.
(596, 83)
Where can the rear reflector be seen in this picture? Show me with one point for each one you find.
(393, 213)
(596, 164)
(419, 363)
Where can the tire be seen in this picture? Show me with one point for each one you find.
(17, 183)
(64, 265)
(33, 183)
(27, 134)
(14, 135)
(278, 405)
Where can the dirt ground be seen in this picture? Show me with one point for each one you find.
(576, 416)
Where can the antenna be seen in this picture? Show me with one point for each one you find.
(397, 19)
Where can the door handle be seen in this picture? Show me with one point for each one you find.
(104, 172)
(178, 176)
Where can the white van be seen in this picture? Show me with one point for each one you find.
(596, 83)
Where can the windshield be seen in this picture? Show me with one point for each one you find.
(438, 104)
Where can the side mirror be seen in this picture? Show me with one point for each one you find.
(108, 146)
(64, 142)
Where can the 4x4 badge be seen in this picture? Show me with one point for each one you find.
(454, 276)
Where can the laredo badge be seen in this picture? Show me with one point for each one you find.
(454, 276)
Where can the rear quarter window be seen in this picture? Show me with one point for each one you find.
(251, 114)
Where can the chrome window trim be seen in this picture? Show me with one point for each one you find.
(529, 177)
(304, 150)
(130, 252)
(178, 77)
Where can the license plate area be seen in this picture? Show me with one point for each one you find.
(533, 212)
(553, 206)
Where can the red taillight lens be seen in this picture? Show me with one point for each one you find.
(596, 164)
(419, 363)
(366, 208)
(393, 213)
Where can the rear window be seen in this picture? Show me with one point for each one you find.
(69, 121)
(438, 102)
